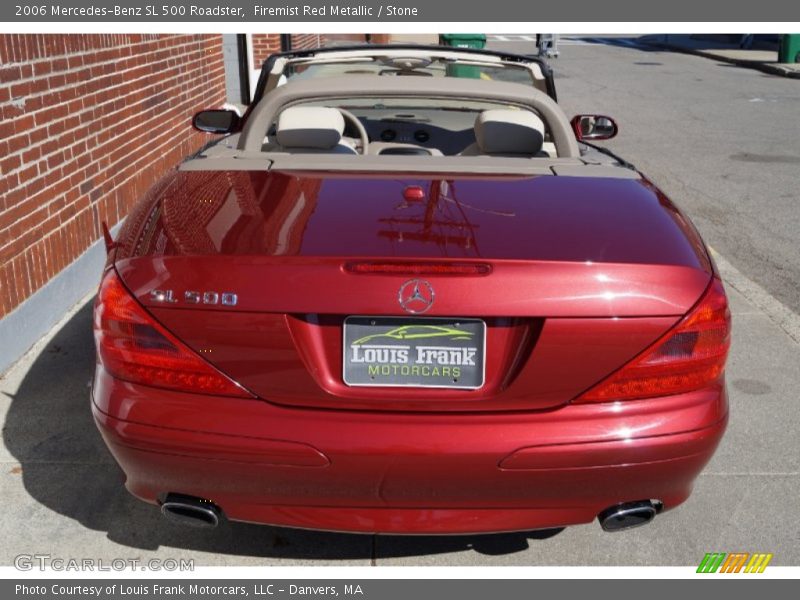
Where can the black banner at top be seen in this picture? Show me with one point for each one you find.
(377, 11)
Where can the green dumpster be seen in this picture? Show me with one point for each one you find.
(463, 40)
(789, 50)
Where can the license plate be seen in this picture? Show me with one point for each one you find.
(414, 352)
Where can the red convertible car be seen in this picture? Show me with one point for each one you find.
(403, 293)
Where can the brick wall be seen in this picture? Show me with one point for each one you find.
(88, 123)
(301, 41)
(265, 44)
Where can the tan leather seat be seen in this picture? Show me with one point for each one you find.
(512, 133)
(311, 129)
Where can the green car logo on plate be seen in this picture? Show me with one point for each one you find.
(416, 352)
(417, 332)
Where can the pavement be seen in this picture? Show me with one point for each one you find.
(761, 56)
(761, 59)
(714, 136)
(63, 494)
(755, 58)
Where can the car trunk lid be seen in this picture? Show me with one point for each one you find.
(576, 277)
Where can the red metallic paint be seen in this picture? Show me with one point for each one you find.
(297, 359)
(584, 275)
(408, 472)
(546, 218)
(518, 288)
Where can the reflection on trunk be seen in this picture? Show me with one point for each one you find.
(442, 221)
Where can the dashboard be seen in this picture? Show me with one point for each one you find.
(448, 132)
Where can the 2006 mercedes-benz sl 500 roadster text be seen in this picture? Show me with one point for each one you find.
(403, 293)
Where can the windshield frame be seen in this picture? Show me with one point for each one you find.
(439, 66)
(270, 63)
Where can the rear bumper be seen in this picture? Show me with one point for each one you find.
(407, 473)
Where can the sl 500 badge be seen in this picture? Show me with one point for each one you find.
(193, 297)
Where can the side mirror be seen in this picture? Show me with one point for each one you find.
(593, 127)
(216, 121)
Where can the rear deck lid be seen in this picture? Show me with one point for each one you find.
(578, 275)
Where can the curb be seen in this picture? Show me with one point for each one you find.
(761, 299)
(772, 69)
(35, 318)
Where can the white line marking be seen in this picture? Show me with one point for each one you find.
(512, 38)
(569, 41)
(757, 474)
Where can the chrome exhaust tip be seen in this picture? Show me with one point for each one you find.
(629, 515)
(189, 510)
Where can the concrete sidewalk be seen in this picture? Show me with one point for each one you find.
(761, 59)
(64, 496)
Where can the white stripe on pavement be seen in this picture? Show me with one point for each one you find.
(569, 41)
(512, 38)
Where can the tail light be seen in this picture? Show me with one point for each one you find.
(132, 346)
(690, 356)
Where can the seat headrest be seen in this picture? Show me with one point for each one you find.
(509, 132)
(310, 127)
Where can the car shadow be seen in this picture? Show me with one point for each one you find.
(66, 468)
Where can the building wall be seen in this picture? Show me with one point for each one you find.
(265, 44)
(301, 41)
(88, 123)
(230, 53)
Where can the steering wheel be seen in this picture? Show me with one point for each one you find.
(362, 132)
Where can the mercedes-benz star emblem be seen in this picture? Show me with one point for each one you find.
(416, 296)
